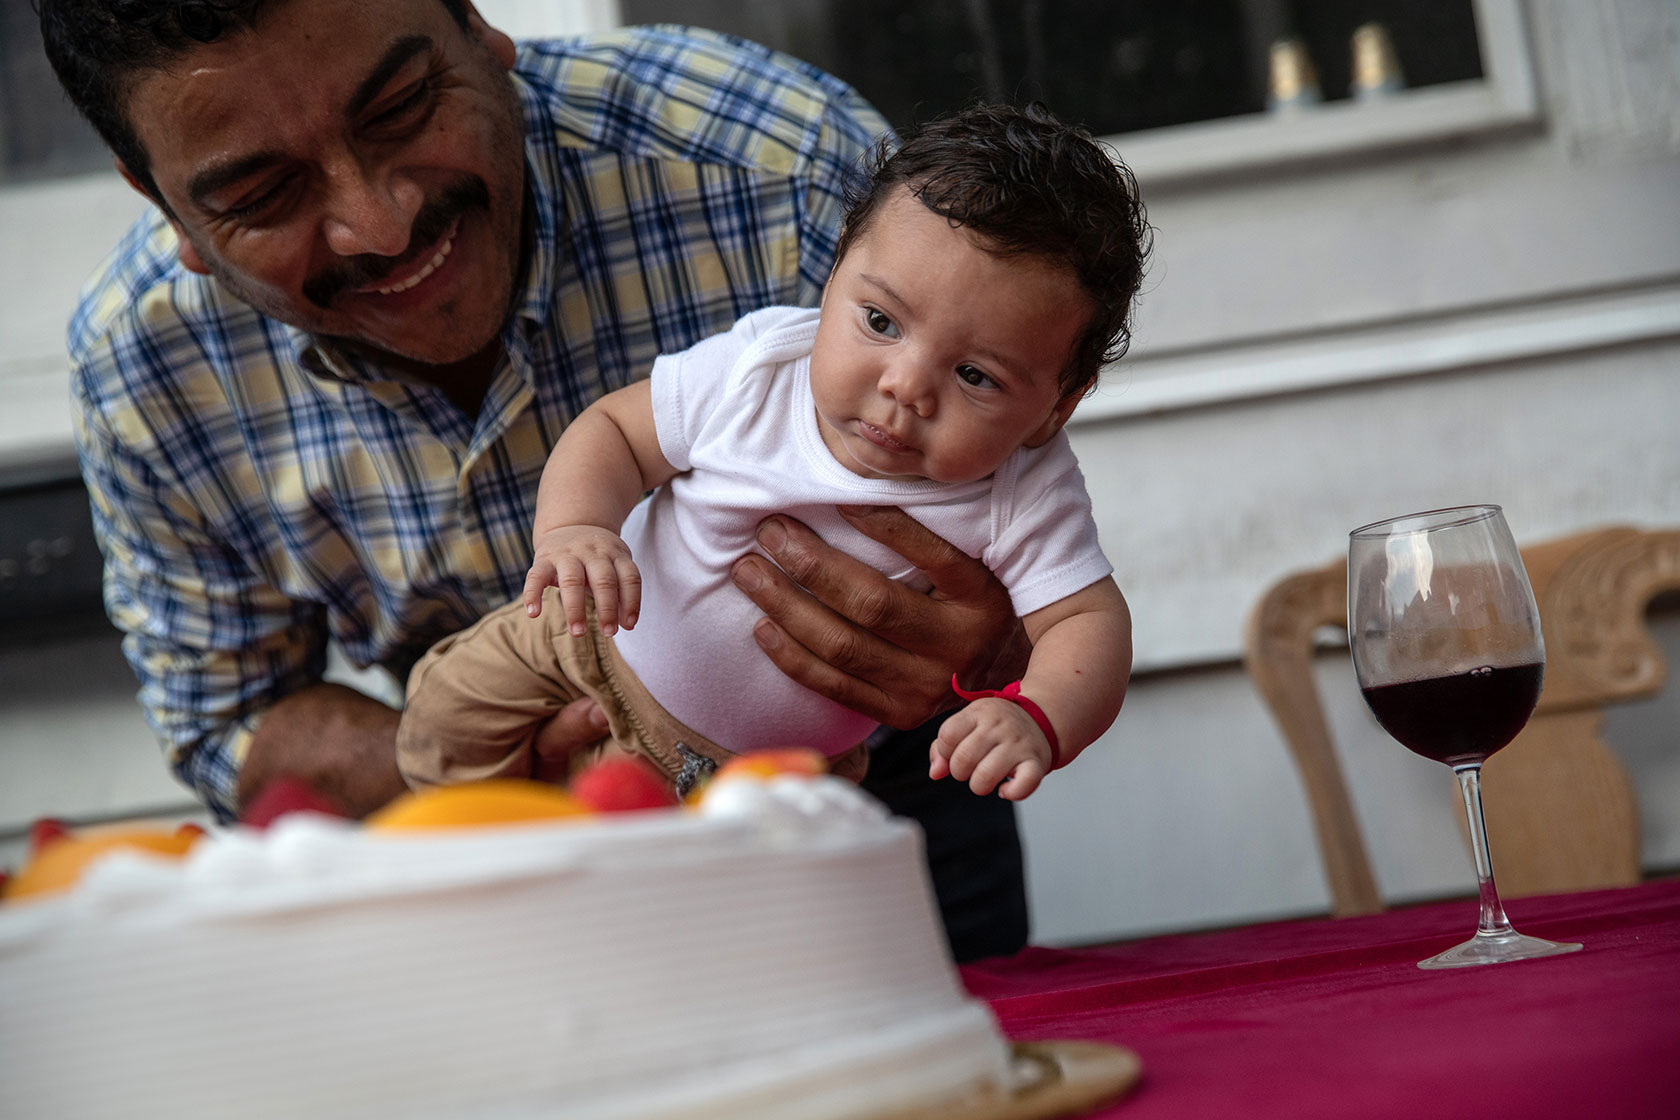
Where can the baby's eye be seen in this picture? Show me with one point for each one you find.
(971, 376)
(879, 323)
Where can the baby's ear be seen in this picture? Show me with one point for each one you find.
(1053, 422)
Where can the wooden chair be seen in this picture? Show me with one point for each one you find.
(1560, 810)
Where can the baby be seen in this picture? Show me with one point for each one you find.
(983, 277)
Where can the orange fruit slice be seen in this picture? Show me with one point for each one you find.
(780, 760)
(58, 865)
(476, 804)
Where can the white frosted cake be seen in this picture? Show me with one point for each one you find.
(775, 954)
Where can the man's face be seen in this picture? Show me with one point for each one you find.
(353, 169)
(936, 358)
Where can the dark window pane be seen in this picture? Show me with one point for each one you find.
(1115, 67)
(1435, 42)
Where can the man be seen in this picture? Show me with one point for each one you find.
(393, 255)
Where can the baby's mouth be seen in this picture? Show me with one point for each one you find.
(432, 264)
(881, 437)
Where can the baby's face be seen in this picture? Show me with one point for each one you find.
(936, 359)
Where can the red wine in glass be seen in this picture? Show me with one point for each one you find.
(1447, 646)
(1462, 718)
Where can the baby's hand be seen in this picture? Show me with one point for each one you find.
(582, 560)
(988, 742)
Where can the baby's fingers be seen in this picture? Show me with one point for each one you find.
(951, 734)
(629, 592)
(573, 580)
(1023, 781)
(604, 575)
(938, 766)
(541, 575)
(991, 769)
(964, 756)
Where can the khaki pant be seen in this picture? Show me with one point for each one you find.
(477, 699)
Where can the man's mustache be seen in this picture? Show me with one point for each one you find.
(431, 223)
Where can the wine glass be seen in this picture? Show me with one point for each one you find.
(1447, 648)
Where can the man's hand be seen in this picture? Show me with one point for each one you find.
(343, 744)
(339, 741)
(579, 725)
(842, 629)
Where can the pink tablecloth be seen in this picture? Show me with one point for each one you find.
(1332, 1018)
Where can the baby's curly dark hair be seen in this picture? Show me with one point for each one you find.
(1029, 185)
(99, 47)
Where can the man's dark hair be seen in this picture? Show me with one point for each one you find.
(1031, 186)
(99, 48)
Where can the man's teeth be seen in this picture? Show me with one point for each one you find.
(431, 267)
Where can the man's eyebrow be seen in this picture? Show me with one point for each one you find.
(213, 179)
(395, 58)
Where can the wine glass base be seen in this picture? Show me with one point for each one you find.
(1497, 948)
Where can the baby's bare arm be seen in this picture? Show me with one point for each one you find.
(1081, 662)
(603, 463)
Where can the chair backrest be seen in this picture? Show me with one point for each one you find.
(1561, 813)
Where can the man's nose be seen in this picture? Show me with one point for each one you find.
(370, 212)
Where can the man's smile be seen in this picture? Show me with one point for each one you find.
(394, 286)
(434, 237)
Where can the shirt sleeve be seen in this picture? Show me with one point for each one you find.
(1045, 547)
(689, 387)
(212, 645)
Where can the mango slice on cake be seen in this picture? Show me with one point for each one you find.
(477, 804)
(768, 764)
(61, 855)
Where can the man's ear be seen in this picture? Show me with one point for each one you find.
(1053, 422)
(190, 260)
(500, 44)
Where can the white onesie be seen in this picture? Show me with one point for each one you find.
(735, 415)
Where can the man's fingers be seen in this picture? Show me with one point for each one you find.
(821, 672)
(954, 573)
(966, 598)
(846, 584)
(878, 646)
(818, 648)
(574, 727)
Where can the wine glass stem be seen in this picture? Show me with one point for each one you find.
(1492, 919)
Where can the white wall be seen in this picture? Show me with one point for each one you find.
(1488, 320)
(1494, 317)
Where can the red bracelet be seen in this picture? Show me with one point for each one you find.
(1012, 693)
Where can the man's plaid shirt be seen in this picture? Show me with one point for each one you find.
(258, 491)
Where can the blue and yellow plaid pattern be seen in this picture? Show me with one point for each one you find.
(258, 491)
